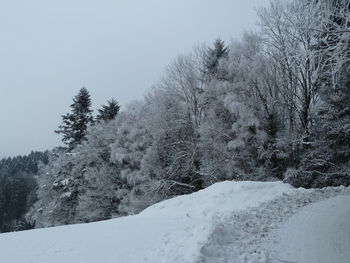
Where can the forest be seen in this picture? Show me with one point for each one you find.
(270, 106)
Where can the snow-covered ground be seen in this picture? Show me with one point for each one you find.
(319, 233)
(227, 222)
(282, 230)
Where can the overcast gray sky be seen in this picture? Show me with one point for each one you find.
(115, 48)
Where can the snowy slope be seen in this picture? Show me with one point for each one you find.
(171, 231)
(319, 233)
(248, 222)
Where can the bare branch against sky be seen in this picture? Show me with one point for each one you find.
(50, 49)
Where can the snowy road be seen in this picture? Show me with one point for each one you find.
(319, 233)
(305, 226)
(248, 222)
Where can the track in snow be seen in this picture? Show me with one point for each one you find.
(319, 233)
(255, 235)
(172, 231)
(227, 222)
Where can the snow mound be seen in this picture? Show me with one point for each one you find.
(218, 200)
(170, 231)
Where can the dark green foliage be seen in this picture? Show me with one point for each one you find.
(17, 189)
(27, 164)
(212, 59)
(271, 125)
(316, 179)
(336, 120)
(108, 112)
(75, 124)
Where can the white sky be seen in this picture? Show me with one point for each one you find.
(115, 48)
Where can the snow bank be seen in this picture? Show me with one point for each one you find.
(171, 231)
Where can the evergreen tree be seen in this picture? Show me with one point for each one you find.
(212, 58)
(334, 118)
(109, 111)
(75, 124)
(17, 189)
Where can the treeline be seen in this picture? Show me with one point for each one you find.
(18, 189)
(271, 106)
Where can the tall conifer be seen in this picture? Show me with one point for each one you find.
(75, 123)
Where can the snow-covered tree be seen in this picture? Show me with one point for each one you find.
(330, 23)
(82, 186)
(269, 105)
(132, 141)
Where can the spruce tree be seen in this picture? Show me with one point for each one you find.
(109, 111)
(212, 58)
(75, 124)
